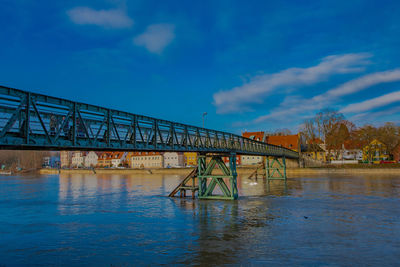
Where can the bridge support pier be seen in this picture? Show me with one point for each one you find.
(208, 182)
(275, 169)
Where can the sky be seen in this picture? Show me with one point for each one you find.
(251, 65)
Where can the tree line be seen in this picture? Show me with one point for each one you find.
(25, 159)
(331, 127)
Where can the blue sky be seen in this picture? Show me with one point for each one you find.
(251, 65)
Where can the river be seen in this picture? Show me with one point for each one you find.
(126, 220)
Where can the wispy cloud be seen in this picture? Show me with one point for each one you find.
(111, 18)
(372, 103)
(156, 37)
(361, 83)
(371, 117)
(296, 107)
(240, 98)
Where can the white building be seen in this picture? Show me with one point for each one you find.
(65, 159)
(251, 160)
(173, 159)
(91, 159)
(118, 159)
(78, 159)
(146, 160)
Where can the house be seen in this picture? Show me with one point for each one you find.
(91, 159)
(258, 136)
(65, 159)
(117, 159)
(314, 151)
(128, 159)
(190, 158)
(173, 159)
(351, 151)
(146, 160)
(78, 158)
(251, 160)
(288, 141)
(104, 160)
(46, 162)
(238, 160)
(375, 152)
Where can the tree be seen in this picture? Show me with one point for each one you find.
(308, 135)
(326, 121)
(363, 137)
(388, 134)
(337, 136)
(283, 132)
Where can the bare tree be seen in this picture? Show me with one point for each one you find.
(326, 121)
(308, 135)
(283, 132)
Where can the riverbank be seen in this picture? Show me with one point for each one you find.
(240, 171)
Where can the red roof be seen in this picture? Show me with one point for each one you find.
(288, 141)
(258, 136)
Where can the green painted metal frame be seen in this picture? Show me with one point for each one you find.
(209, 181)
(275, 169)
(41, 122)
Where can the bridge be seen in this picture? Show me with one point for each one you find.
(30, 121)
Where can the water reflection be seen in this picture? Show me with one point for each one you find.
(90, 219)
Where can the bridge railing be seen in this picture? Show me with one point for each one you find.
(36, 121)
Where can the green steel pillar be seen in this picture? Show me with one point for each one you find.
(208, 182)
(275, 169)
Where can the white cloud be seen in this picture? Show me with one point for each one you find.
(363, 82)
(373, 117)
(240, 98)
(296, 107)
(111, 18)
(372, 103)
(156, 37)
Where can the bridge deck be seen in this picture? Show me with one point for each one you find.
(41, 122)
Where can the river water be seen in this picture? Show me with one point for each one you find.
(126, 220)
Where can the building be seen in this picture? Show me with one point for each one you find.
(128, 159)
(78, 159)
(173, 159)
(288, 141)
(258, 136)
(351, 151)
(91, 159)
(46, 162)
(104, 160)
(146, 160)
(65, 159)
(190, 158)
(375, 152)
(314, 151)
(251, 160)
(117, 159)
(238, 160)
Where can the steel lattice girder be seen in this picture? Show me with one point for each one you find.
(275, 169)
(35, 121)
(208, 181)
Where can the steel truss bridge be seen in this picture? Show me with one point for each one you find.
(30, 121)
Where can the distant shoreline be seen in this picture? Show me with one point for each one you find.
(240, 170)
